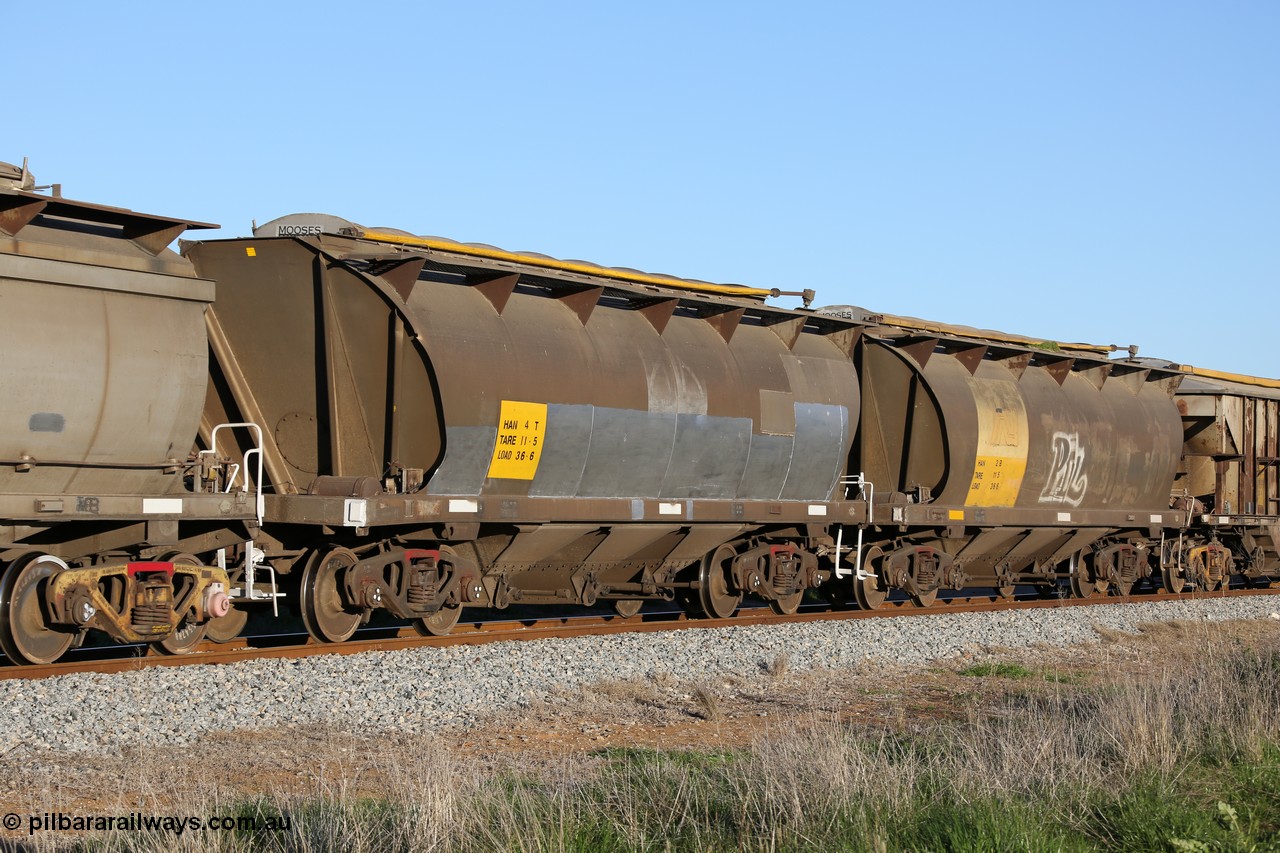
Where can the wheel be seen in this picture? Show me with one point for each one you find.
(439, 623)
(870, 591)
(324, 611)
(444, 620)
(184, 638)
(926, 599)
(1083, 583)
(628, 607)
(24, 634)
(714, 595)
(787, 605)
(224, 629)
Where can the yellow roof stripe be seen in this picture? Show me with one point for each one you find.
(986, 335)
(567, 266)
(1230, 377)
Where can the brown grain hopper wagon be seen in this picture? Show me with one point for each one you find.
(1005, 460)
(477, 426)
(105, 366)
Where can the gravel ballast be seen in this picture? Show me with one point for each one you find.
(427, 689)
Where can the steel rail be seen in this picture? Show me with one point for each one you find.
(475, 633)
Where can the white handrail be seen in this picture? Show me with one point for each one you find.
(866, 492)
(252, 560)
(254, 453)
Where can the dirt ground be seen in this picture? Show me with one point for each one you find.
(659, 713)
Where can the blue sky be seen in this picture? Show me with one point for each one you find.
(1098, 171)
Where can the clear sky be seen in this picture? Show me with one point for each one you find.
(1097, 171)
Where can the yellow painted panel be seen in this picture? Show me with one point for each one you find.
(1001, 461)
(522, 428)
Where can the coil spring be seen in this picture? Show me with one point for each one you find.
(1216, 565)
(926, 575)
(1128, 568)
(785, 571)
(147, 616)
(422, 590)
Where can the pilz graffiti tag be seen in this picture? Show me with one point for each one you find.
(1067, 481)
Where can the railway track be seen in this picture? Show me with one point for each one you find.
(115, 659)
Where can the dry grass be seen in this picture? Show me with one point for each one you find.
(707, 703)
(1029, 763)
(639, 692)
(1110, 635)
(779, 666)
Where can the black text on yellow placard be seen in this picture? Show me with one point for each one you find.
(521, 430)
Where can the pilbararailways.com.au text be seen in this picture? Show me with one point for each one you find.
(138, 822)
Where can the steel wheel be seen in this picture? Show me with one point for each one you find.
(444, 620)
(183, 639)
(714, 595)
(925, 599)
(788, 604)
(324, 610)
(871, 591)
(440, 623)
(628, 607)
(24, 634)
(1083, 582)
(224, 629)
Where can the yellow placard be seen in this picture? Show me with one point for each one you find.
(518, 450)
(1001, 461)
